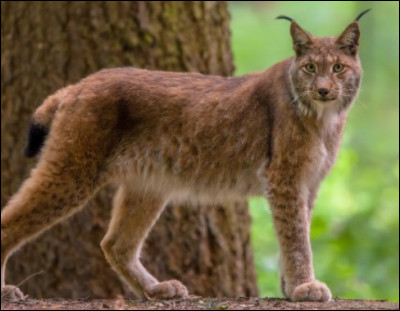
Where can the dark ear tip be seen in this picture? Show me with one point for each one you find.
(285, 17)
(362, 14)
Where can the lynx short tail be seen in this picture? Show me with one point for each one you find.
(41, 123)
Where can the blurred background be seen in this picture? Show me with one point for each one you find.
(355, 229)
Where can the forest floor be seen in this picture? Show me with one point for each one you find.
(195, 303)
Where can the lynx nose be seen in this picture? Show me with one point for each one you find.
(323, 92)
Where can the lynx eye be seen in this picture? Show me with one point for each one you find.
(310, 68)
(338, 68)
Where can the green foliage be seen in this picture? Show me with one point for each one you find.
(355, 230)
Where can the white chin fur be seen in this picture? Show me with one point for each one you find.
(325, 109)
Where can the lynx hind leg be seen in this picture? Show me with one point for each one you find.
(49, 195)
(134, 214)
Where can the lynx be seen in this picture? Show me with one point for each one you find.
(171, 137)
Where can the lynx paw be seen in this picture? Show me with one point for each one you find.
(12, 292)
(167, 290)
(312, 291)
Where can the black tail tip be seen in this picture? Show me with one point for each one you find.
(36, 137)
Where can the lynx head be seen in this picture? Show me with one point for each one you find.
(325, 73)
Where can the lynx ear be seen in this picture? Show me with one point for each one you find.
(302, 40)
(349, 39)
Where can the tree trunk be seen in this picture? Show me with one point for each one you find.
(46, 45)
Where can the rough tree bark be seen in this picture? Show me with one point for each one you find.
(46, 45)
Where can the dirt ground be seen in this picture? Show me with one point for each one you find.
(195, 303)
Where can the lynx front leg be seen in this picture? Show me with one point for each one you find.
(133, 216)
(292, 228)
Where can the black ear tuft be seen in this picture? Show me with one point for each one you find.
(36, 137)
(285, 17)
(362, 14)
